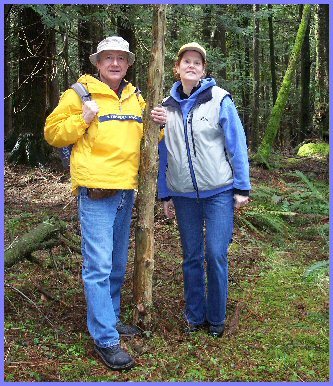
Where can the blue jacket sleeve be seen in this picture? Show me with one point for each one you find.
(235, 143)
(163, 191)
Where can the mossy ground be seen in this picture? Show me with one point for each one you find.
(278, 308)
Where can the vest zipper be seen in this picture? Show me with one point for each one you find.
(194, 181)
(193, 144)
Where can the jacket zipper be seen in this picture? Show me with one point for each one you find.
(128, 96)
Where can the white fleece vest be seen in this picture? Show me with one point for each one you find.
(196, 154)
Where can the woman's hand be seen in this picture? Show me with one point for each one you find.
(159, 115)
(89, 111)
(240, 200)
(169, 209)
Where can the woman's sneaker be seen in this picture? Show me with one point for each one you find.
(115, 357)
(216, 331)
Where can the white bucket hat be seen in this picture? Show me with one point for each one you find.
(113, 43)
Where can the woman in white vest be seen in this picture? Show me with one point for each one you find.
(203, 175)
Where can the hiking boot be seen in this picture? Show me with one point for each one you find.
(127, 330)
(216, 331)
(115, 357)
(191, 328)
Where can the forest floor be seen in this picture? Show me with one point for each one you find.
(277, 325)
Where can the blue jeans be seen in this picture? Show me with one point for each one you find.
(105, 228)
(205, 227)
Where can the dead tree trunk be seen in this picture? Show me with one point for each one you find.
(144, 234)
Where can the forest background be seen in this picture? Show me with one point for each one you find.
(47, 47)
(249, 53)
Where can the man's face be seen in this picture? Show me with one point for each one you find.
(112, 66)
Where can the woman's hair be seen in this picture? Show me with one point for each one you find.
(177, 63)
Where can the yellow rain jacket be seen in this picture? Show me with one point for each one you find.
(106, 152)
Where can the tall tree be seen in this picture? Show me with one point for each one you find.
(272, 52)
(144, 233)
(65, 57)
(321, 114)
(305, 129)
(174, 22)
(90, 33)
(8, 113)
(30, 98)
(245, 72)
(220, 41)
(126, 31)
(256, 80)
(265, 148)
(51, 78)
(207, 23)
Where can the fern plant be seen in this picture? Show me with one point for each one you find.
(274, 209)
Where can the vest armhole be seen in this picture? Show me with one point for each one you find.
(226, 96)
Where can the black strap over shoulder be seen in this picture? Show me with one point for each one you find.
(65, 152)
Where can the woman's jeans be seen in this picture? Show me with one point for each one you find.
(105, 228)
(205, 227)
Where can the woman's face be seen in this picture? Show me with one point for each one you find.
(191, 67)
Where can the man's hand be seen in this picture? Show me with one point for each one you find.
(169, 209)
(240, 200)
(89, 111)
(159, 115)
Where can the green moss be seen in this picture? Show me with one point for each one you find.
(314, 150)
(265, 148)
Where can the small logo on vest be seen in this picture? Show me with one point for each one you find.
(203, 119)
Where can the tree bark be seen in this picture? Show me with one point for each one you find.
(90, 33)
(174, 21)
(321, 113)
(51, 77)
(8, 110)
(84, 43)
(206, 27)
(27, 143)
(220, 41)
(31, 73)
(246, 70)
(144, 233)
(305, 106)
(126, 31)
(272, 52)
(66, 61)
(265, 148)
(256, 81)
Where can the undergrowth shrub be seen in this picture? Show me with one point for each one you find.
(277, 212)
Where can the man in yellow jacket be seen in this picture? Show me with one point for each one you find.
(106, 133)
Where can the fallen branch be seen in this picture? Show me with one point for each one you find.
(71, 244)
(33, 240)
(50, 296)
(32, 303)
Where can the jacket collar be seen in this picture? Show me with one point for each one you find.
(202, 95)
(181, 93)
(94, 85)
